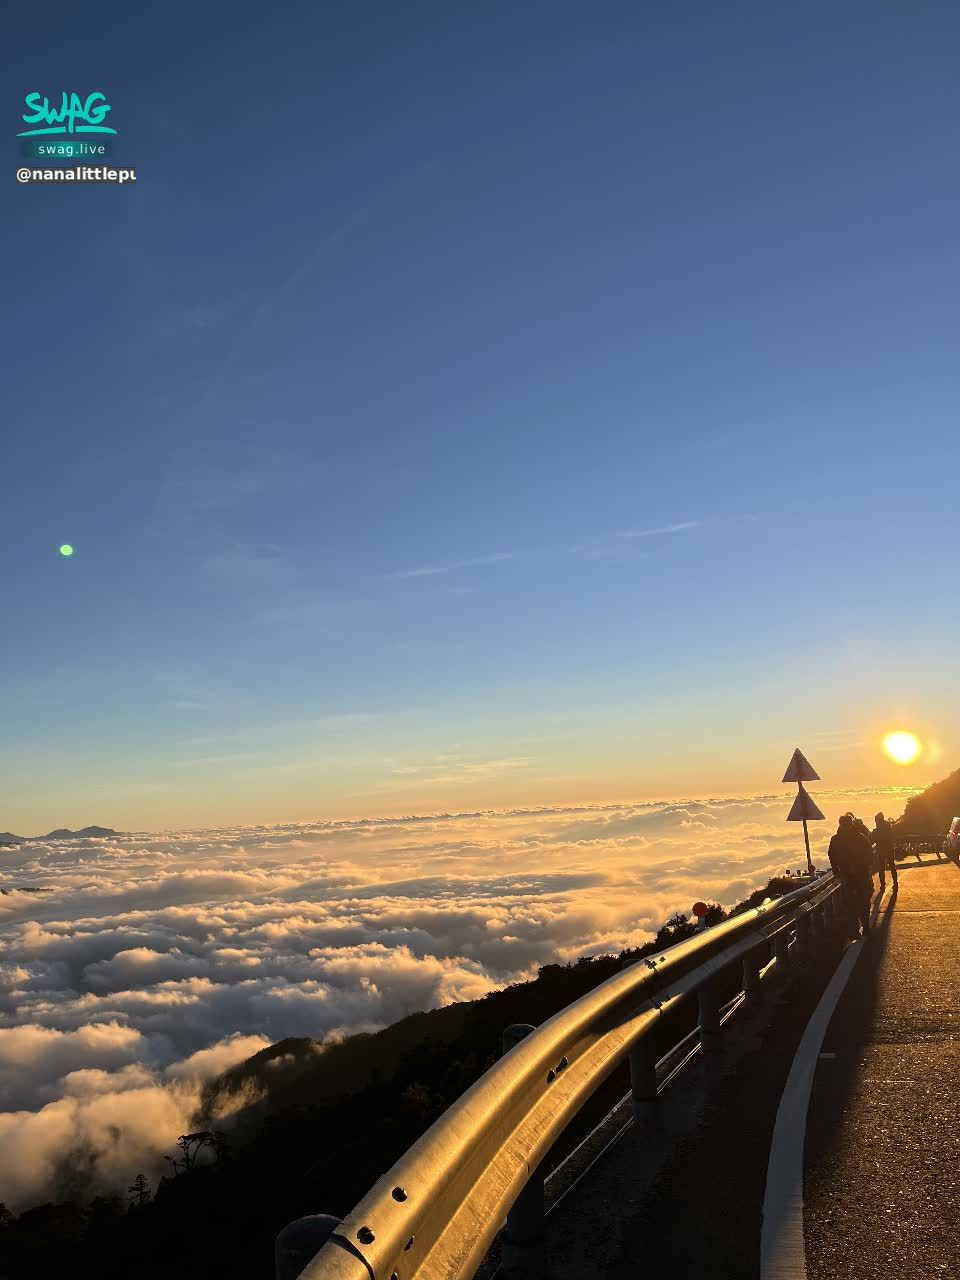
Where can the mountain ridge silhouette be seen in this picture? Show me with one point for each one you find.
(59, 833)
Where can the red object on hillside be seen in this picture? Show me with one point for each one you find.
(699, 910)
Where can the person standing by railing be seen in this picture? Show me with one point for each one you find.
(851, 857)
(883, 842)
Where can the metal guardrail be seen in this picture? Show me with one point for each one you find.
(910, 846)
(435, 1214)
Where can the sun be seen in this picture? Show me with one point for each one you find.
(902, 746)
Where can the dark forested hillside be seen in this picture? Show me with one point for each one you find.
(316, 1126)
(931, 812)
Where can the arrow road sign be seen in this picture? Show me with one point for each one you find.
(804, 810)
(800, 769)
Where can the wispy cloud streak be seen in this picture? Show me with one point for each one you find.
(429, 571)
(660, 530)
(500, 557)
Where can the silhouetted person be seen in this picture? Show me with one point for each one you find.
(883, 842)
(851, 856)
(861, 826)
(862, 829)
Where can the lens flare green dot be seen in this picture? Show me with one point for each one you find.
(66, 549)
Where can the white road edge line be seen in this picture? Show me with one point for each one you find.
(782, 1252)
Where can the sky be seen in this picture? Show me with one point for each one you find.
(149, 963)
(473, 406)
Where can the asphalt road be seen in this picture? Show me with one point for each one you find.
(882, 1168)
(703, 1214)
(882, 1177)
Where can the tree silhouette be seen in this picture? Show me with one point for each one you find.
(676, 929)
(139, 1192)
(191, 1144)
(930, 813)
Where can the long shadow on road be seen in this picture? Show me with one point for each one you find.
(703, 1214)
(877, 1159)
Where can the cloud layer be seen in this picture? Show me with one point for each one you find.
(156, 961)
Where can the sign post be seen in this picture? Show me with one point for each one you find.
(800, 770)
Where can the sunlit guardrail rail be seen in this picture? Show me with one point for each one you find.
(435, 1214)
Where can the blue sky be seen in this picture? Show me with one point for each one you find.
(475, 404)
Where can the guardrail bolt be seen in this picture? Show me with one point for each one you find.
(398, 1193)
(366, 1236)
(300, 1241)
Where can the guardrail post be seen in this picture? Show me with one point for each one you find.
(300, 1241)
(512, 1036)
(781, 950)
(645, 1101)
(522, 1252)
(710, 1041)
(816, 928)
(829, 915)
(803, 938)
(752, 988)
(647, 1112)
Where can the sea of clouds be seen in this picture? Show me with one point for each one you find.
(158, 960)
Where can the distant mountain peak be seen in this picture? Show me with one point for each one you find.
(64, 833)
(61, 833)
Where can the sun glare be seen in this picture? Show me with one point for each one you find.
(902, 746)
